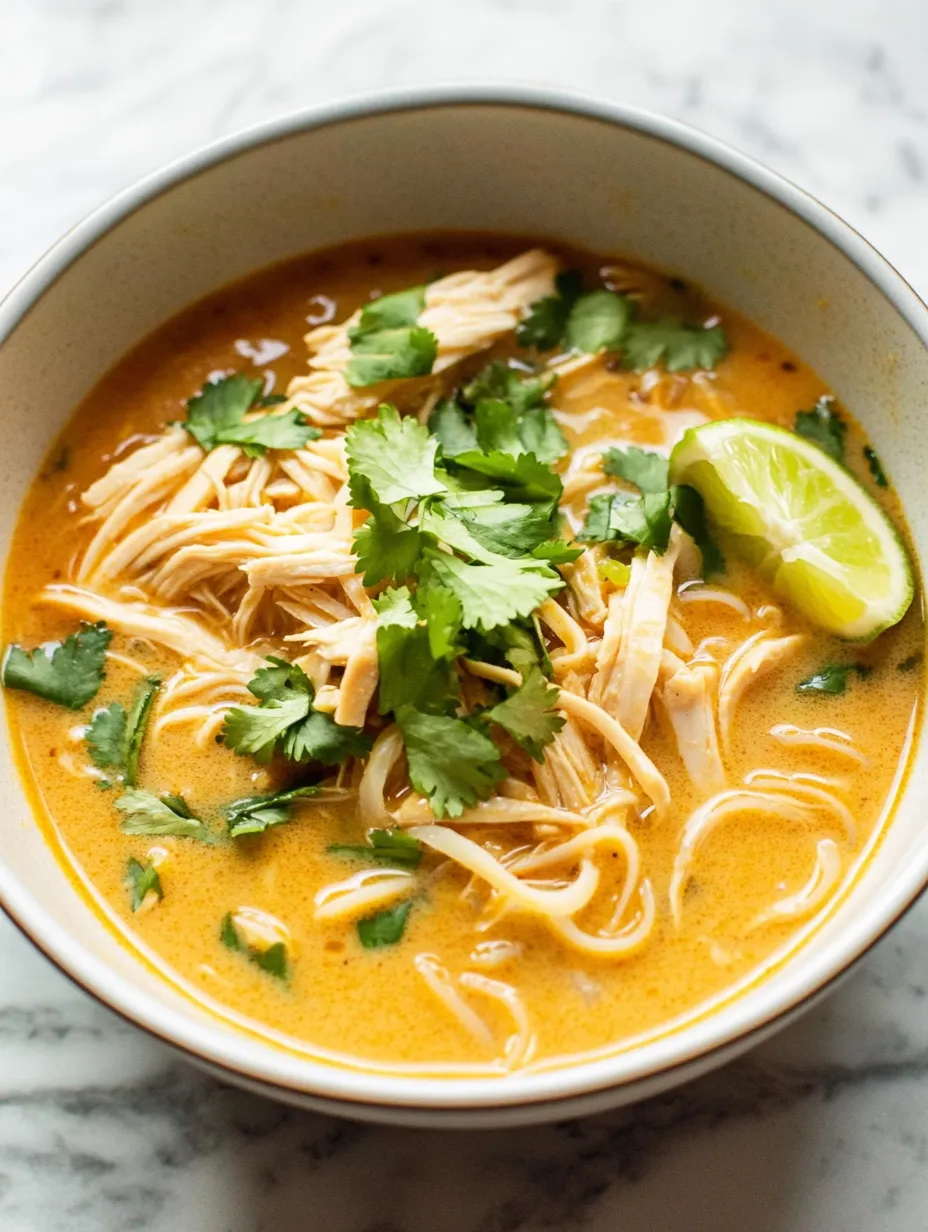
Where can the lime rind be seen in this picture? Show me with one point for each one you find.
(802, 520)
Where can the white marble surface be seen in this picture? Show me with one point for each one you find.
(824, 1129)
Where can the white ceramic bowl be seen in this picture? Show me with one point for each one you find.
(606, 177)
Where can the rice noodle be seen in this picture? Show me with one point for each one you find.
(387, 750)
(829, 738)
(518, 1047)
(439, 981)
(565, 901)
(699, 592)
(825, 877)
(708, 816)
(365, 891)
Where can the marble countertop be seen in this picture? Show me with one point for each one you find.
(825, 1128)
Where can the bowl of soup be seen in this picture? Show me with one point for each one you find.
(462, 611)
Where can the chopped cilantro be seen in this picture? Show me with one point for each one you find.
(146, 813)
(255, 814)
(454, 428)
(524, 391)
(114, 739)
(450, 762)
(409, 674)
(679, 347)
(389, 846)
(273, 960)
(528, 714)
(396, 456)
(644, 520)
(142, 880)
(833, 679)
(216, 416)
(911, 662)
(546, 320)
(493, 594)
(597, 322)
(286, 723)
(642, 467)
(823, 426)
(387, 548)
(68, 674)
(386, 927)
(386, 344)
(876, 467)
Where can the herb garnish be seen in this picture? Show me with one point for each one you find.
(388, 846)
(216, 416)
(832, 680)
(285, 722)
(823, 426)
(386, 344)
(114, 739)
(604, 320)
(528, 714)
(148, 814)
(384, 928)
(142, 880)
(69, 674)
(255, 814)
(273, 960)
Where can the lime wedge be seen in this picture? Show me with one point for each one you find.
(800, 518)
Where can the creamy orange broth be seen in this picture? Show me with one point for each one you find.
(371, 1006)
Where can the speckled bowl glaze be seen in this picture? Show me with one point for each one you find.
(607, 177)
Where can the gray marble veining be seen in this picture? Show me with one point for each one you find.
(826, 1127)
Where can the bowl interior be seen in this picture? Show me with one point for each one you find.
(471, 164)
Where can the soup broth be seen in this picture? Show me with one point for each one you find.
(456, 972)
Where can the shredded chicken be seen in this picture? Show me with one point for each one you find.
(754, 658)
(467, 312)
(687, 692)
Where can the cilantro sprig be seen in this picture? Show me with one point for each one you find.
(68, 674)
(216, 416)
(114, 738)
(386, 927)
(144, 813)
(142, 880)
(603, 320)
(256, 814)
(387, 344)
(285, 721)
(385, 846)
(823, 426)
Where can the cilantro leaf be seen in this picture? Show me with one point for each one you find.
(543, 326)
(396, 456)
(681, 347)
(453, 427)
(690, 511)
(441, 610)
(68, 674)
(508, 529)
(521, 478)
(876, 467)
(823, 426)
(528, 714)
(391, 355)
(387, 549)
(450, 762)
(256, 730)
(273, 960)
(524, 391)
(497, 427)
(115, 739)
(319, 738)
(833, 679)
(216, 416)
(286, 723)
(384, 928)
(409, 675)
(644, 520)
(106, 737)
(394, 311)
(390, 846)
(255, 814)
(597, 322)
(556, 552)
(541, 436)
(146, 813)
(496, 594)
(521, 647)
(142, 880)
(642, 467)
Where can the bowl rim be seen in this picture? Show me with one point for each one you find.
(715, 1035)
